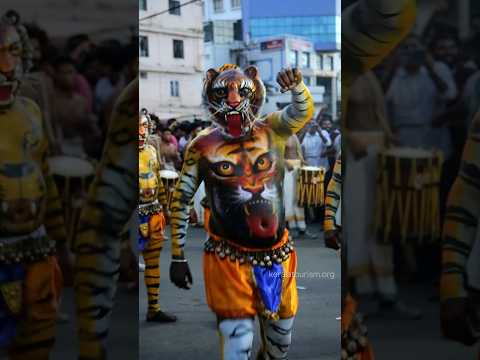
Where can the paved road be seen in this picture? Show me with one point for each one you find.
(316, 333)
(395, 338)
(123, 339)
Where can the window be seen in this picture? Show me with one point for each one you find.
(305, 60)
(238, 30)
(320, 61)
(332, 62)
(174, 7)
(143, 5)
(174, 88)
(293, 58)
(178, 49)
(236, 4)
(217, 6)
(143, 44)
(208, 32)
(143, 74)
(326, 82)
(307, 80)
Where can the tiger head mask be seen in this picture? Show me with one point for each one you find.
(143, 129)
(15, 56)
(234, 98)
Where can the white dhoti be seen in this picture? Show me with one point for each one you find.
(197, 204)
(294, 215)
(369, 262)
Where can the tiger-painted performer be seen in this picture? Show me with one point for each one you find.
(370, 30)
(151, 209)
(354, 332)
(249, 260)
(112, 199)
(31, 220)
(460, 281)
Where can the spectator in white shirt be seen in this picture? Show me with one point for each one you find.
(418, 94)
(314, 146)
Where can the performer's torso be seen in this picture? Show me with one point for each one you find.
(244, 186)
(292, 148)
(148, 181)
(22, 185)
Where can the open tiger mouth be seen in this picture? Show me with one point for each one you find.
(141, 141)
(6, 93)
(235, 123)
(262, 219)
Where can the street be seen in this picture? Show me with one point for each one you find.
(316, 333)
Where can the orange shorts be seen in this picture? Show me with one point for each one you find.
(231, 291)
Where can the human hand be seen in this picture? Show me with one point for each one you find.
(180, 273)
(454, 320)
(288, 79)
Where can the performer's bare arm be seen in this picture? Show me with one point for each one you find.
(294, 116)
(460, 232)
(162, 191)
(370, 30)
(112, 198)
(462, 218)
(185, 189)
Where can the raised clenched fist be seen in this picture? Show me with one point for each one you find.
(289, 78)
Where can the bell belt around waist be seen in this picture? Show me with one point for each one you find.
(264, 257)
(149, 208)
(30, 247)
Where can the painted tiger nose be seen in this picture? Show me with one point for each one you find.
(254, 189)
(233, 104)
(233, 99)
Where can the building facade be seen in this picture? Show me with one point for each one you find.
(223, 32)
(311, 33)
(171, 58)
(277, 52)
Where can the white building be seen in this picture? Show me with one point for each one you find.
(320, 70)
(223, 31)
(64, 18)
(171, 53)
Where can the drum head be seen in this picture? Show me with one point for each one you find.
(409, 153)
(311, 168)
(69, 166)
(168, 174)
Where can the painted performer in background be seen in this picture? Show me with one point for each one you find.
(31, 218)
(354, 339)
(152, 209)
(248, 259)
(371, 29)
(460, 281)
